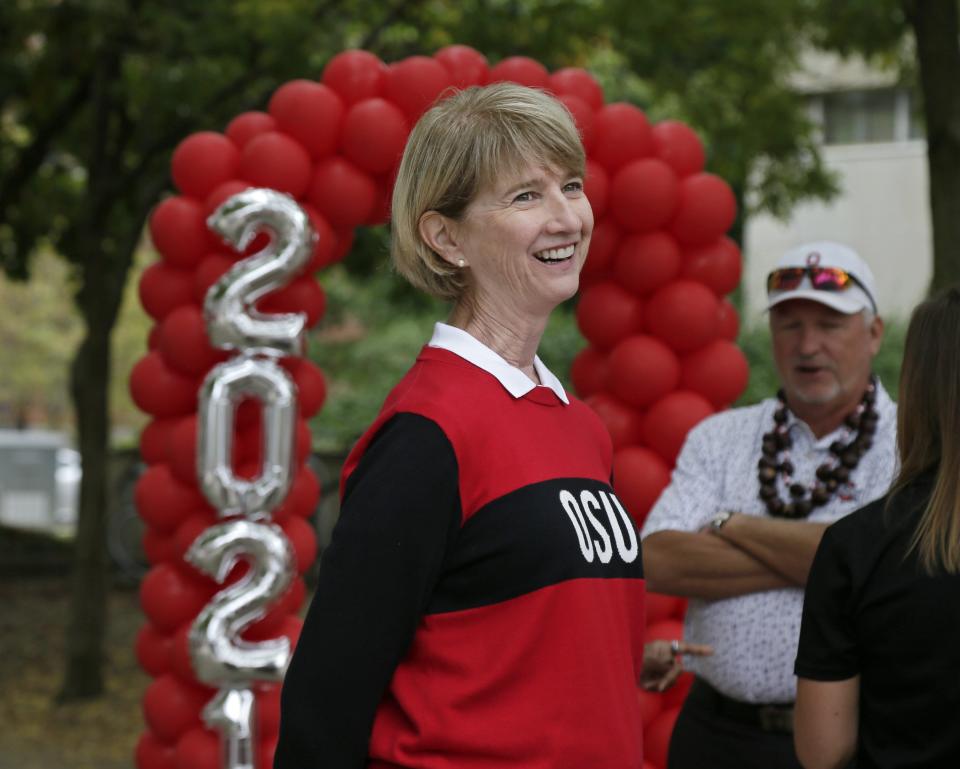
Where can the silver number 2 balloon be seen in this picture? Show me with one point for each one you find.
(220, 656)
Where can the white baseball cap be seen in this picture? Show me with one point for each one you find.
(860, 294)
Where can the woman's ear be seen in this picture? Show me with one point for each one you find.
(439, 232)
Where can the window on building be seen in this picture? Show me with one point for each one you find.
(858, 117)
(868, 116)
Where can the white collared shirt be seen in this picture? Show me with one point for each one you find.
(754, 636)
(472, 350)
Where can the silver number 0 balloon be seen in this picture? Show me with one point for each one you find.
(220, 657)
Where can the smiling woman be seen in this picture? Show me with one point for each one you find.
(478, 506)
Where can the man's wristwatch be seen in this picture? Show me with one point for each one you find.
(720, 519)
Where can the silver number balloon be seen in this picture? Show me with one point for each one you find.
(225, 386)
(219, 655)
(232, 320)
(233, 713)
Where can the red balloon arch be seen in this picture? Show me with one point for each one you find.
(661, 354)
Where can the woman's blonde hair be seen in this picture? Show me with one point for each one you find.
(460, 147)
(928, 427)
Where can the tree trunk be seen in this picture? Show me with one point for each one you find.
(936, 30)
(89, 383)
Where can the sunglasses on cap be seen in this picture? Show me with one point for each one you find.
(821, 279)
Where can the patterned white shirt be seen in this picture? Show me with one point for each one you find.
(754, 636)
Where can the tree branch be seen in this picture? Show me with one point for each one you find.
(30, 158)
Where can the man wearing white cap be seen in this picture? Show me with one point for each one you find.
(752, 492)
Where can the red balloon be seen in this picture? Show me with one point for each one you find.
(276, 161)
(325, 248)
(621, 133)
(158, 547)
(182, 450)
(728, 321)
(589, 371)
(621, 421)
(153, 650)
(268, 711)
(582, 116)
(651, 704)
(153, 338)
(302, 295)
(415, 83)
(679, 147)
(656, 737)
(303, 538)
(645, 262)
(642, 370)
(466, 65)
(246, 125)
(603, 245)
(345, 238)
(202, 161)
(374, 134)
(159, 391)
(311, 384)
(179, 231)
(596, 186)
(520, 69)
(153, 753)
(303, 497)
(270, 625)
(676, 694)
(706, 211)
(717, 265)
(181, 665)
(342, 193)
(355, 75)
(575, 81)
(191, 528)
(310, 112)
(162, 500)
(221, 192)
(304, 441)
(660, 607)
(380, 214)
(184, 343)
(607, 313)
(292, 627)
(169, 598)
(719, 372)
(664, 630)
(163, 288)
(666, 424)
(211, 268)
(199, 748)
(644, 195)
(639, 475)
(153, 440)
(683, 314)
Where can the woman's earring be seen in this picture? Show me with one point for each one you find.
(461, 263)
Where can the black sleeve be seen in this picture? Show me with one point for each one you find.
(400, 512)
(827, 649)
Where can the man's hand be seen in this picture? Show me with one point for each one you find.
(663, 662)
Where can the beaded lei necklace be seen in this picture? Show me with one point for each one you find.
(830, 476)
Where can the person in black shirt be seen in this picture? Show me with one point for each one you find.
(879, 653)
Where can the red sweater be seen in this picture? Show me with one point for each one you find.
(495, 589)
